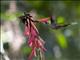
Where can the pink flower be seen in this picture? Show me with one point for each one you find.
(26, 31)
(34, 41)
(45, 20)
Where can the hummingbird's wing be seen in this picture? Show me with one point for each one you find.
(59, 26)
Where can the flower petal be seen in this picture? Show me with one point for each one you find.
(44, 20)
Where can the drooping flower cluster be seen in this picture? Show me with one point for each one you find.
(34, 40)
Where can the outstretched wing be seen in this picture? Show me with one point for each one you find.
(59, 26)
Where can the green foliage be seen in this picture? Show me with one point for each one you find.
(26, 50)
(60, 20)
(61, 39)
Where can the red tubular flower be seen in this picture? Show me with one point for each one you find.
(44, 20)
(34, 40)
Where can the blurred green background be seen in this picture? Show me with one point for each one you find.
(61, 44)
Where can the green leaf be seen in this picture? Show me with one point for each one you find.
(61, 39)
(60, 20)
(26, 50)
